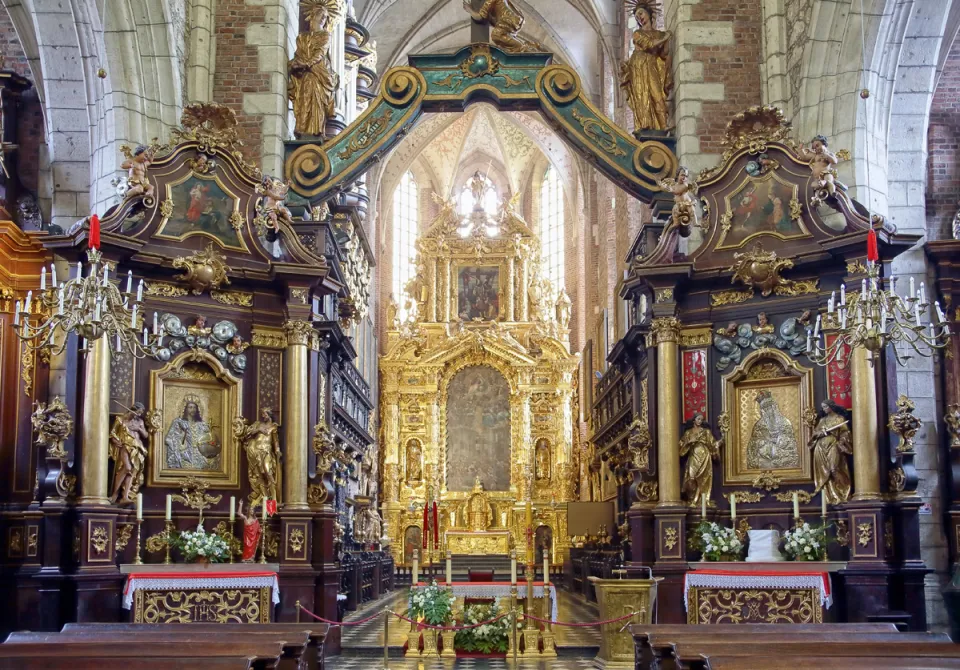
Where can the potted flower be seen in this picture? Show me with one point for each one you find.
(717, 543)
(199, 546)
(806, 543)
(490, 638)
(432, 605)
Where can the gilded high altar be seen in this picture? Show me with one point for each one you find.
(480, 305)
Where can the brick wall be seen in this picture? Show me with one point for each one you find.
(943, 143)
(237, 70)
(736, 66)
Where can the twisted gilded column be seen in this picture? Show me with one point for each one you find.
(96, 424)
(666, 333)
(866, 459)
(296, 424)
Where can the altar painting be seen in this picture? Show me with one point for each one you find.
(767, 405)
(478, 430)
(412, 541)
(762, 206)
(478, 293)
(194, 405)
(201, 206)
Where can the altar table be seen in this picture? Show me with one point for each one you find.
(189, 594)
(501, 590)
(780, 595)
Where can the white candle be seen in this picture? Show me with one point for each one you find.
(140, 291)
(796, 505)
(43, 279)
(117, 347)
(169, 515)
(546, 566)
(139, 507)
(83, 344)
(940, 316)
(61, 301)
(26, 307)
(416, 568)
(833, 301)
(916, 312)
(863, 290)
(823, 503)
(913, 291)
(809, 342)
(883, 319)
(129, 280)
(79, 270)
(449, 568)
(513, 567)
(923, 294)
(264, 509)
(133, 317)
(106, 274)
(703, 499)
(53, 274)
(733, 506)
(16, 314)
(233, 509)
(155, 323)
(843, 294)
(816, 329)
(144, 336)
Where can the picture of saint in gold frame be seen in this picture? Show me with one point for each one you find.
(760, 206)
(767, 399)
(478, 292)
(196, 400)
(203, 206)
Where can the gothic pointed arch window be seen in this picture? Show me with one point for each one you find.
(552, 227)
(406, 218)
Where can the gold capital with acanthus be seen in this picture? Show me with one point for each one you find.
(665, 329)
(298, 332)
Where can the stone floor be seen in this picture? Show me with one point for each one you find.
(363, 644)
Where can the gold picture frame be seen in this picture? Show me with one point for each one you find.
(767, 399)
(184, 217)
(482, 270)
(754, 200)
(195, 441)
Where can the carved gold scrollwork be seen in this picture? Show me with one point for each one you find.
(600, 133)
(864, 533)
(731, 297)
(298, 332)
(99, 538)
(717, 606)
(665, 329)
(203, 270)
(238, 298)
(164, 289)
(766, 480)
(250, 605)
(368, 133)
(124, 532)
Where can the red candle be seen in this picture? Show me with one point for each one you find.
(872, 253)
(425, 520)
(94, 241)
(436, 527)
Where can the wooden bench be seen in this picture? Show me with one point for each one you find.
(84, 662)
(697, 655)
(821, 662)
(316, 631)
(261, 655)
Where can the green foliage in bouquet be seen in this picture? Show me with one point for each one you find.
(716, 542)
(489, 638)
(806, 543)
(200, 545)
(431, 604)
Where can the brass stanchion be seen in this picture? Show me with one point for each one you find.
(298, 611)
(514, 641)
(386, 639)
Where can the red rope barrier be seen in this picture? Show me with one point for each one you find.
(339, 623)
(421, 624)
(583, 625)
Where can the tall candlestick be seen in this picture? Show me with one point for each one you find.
(139, 507)
(449, 567)
(169, 515)
(733, 506)
(796, 505)
(546, 567)
(233, 509)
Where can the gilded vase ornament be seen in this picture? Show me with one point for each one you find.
(760, 269)
(261, 442)
(506, 22)
(904, 423)
(831, 443)
(203, 270)
(52, 424)
(647, 76)
(313, 84)
(698, 445)
(128, 453)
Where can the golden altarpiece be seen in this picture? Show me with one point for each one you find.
(477, 394)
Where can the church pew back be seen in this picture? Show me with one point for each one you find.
(84, 662)
(776, 662)
(265, 655)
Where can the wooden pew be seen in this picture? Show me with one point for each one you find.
(82, 662)
(644, 654)
(696, 655)
(821, 662)
(264, 655)
(316, 631)
(294, 645)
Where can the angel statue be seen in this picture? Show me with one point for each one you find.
(648, 75)
(128, 452)
(823, 164)
(313, 83)
(831, 443)
(684, 212)
(274, 192)
(261, 441)
(137, 163)
(698, 442)
(506, 21)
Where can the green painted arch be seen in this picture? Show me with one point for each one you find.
(451, 82)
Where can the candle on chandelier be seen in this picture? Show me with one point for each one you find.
(53, 274)
(140, 291)
(26, 307)
(796, 505)
(883, 319)
(117, 347)
(923, 294)
(79, 270)
(43, 279)
(133, 317)
(144, 336)
(155, 324)
(16, 314)
(233, 509)
(169, 510)
(832, 303)
(139, 507)
(106, 274)
(913, 291)
(916, 313)
(843, 294)
(809, 342)
(940, 315)
(863, 290)
(129, 280)
(816, 328)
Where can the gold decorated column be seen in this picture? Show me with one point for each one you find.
(511, 282)
(666, 333)
(866, 459)
(432, 298)
(524, 294)
(296, 422)
(446, 292)
(96, 424)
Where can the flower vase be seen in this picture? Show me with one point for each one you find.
(429, 642)
(448, 637)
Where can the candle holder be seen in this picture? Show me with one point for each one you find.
(263, 544)
(167, 540)
(233, 538)
(136, 559)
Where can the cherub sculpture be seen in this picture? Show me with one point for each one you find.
(274, 192)
(684, 192)
(138, 184)
(822, 164)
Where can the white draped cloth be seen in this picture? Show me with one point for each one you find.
(719, 579)
(187, 580)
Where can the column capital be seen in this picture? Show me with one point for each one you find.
(665, 329)
(297, 332)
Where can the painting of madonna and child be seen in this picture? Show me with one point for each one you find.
(762, 206)
(201, 206)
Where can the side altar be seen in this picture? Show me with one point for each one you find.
(478, 394)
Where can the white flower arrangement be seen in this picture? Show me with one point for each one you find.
(806, 543)
(716, 542)
(199, 544)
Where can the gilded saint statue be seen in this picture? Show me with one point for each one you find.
(648, 75)
(506, 21)
(129, 453)
(773, 442)
(831, 443)
(313, 84)
(698, 445)
(414, 462)
(543, 459)
(261, 442)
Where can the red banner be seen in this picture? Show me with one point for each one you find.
(694, 383)
(839, 381)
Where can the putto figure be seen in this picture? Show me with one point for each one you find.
(684, 212)
(701, 449)
(648, 76)
(822, 163)
(138, 184)
(313, 83)
(129, 453)
(274, 192)
(261, 441)
(507, 22)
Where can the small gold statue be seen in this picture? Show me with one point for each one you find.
(822, 163)
(313, 83)
(684, 212)
(507, 22)
(274, 192)
(261, 441)
(53, 424)
(128, 453)
(138, 184)
(648, 75)
(543, 459)
(831, 442)
(698, 442)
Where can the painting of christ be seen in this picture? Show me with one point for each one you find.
(478, 293)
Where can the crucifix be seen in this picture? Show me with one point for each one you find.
(479, 29)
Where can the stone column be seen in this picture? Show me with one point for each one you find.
(96, 424)
(296, 424)
(666, 331)
(866, 459)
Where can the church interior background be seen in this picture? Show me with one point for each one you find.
(338, 297)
